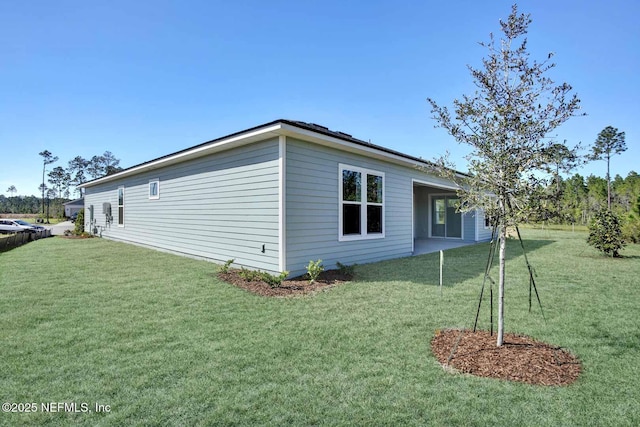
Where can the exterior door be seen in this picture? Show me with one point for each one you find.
(445, 220)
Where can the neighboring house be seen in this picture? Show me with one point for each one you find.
(275, 196)
(73, 206)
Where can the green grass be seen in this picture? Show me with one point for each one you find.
(162, 341)
(556, 227)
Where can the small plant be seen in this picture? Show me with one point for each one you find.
(225, 268)
(273, 280)
(346, 270)
(314, 268)
(605, 233)
(249, 275)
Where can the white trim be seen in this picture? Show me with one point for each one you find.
(199, 151)
(430, 219)
(435, 185)
(477, 228)
(363, 203)
(157, 195)
(271, 131)
(413, 216)
(282, 208)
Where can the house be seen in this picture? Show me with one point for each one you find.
(280, 194)
(73, 206)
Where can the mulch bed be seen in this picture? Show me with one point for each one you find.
(295, 286)
(520, 358)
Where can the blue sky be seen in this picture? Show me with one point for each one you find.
(147, 78)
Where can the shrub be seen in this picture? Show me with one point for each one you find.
(225, 268)
(314, 268)
(274, 281)
(249, 275)
(79, 223)
(605, 233)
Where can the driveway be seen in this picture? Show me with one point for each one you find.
(59, 228)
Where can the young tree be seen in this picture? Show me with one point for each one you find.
(47, 159)
(506, 123)
(609, 143)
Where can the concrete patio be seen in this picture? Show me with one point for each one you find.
(426, 246)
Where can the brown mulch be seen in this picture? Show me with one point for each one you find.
(520, 358)
(295, 286)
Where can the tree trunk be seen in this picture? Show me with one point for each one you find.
(501, 275)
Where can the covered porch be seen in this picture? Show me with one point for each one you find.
(435, 213)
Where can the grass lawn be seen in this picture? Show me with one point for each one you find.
(161, 340)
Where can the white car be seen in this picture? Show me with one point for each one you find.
(15, 226)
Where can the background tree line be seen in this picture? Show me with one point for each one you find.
(61, 184)
(576, 199)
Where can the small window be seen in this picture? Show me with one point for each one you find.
(488, 221)
(154, 189)
(121, 206)
(361, 198)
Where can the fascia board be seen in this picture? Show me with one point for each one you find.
(192, 153)
(329, 141)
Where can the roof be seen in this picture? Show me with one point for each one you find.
(79, 201)
(282, 127)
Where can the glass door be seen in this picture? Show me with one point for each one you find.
(445, 220)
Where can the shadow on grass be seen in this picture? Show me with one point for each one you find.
(460, 264)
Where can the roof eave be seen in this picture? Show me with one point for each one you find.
(272, 129)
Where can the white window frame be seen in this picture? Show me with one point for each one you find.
(155, 181)
(121, 213)
(363, 203)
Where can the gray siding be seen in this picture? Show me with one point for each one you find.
(217, 207)
(312, 185)
(484, 234)
(469, 226)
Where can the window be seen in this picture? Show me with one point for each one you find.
(440, 211)
(361, 203)
(121, 206)
(154, 189)
(488, 221)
